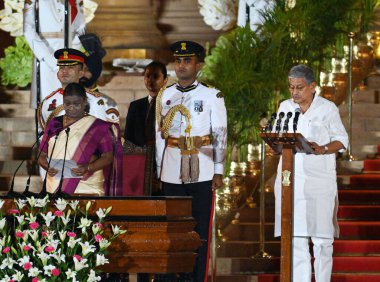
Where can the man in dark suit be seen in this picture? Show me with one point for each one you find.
(139, 128)
(140, 117)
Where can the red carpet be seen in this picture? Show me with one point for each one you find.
(371, 166)
(365, 179)
(371, 172)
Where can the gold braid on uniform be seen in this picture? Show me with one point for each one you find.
(165, 122)
(159, 106)
(189, 152)
(41, 121)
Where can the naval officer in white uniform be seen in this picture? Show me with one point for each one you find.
(191, 142)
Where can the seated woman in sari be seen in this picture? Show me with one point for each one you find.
(82, 140)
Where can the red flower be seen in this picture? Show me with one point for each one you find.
(98, 237)
(26, 248)
(55, 272)
(78, 257)
(6, 250)
(71, 234)
(28, 266)
(19, 234)
(35, 279)
(49, 249)
(58, 213)
(34, 225)
(99, 225)
(44, 234)
(13, 211)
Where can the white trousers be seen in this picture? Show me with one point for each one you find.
(322, 249)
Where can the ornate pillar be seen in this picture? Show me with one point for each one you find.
(127, 28)
(145, 28)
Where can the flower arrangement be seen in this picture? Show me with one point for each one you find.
(44, 240)
(219, 14)
(11, 17)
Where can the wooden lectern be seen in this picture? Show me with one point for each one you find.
(287, 144)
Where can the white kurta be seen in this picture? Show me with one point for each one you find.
(208, 117)
(50, 39)
(315, 187)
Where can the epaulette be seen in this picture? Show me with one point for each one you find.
(52, 94)
(94, 93)
(207, 85)
(113, 111)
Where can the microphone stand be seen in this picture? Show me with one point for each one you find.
(11, 191)
(286, 122)
(295, 123)
(278, 123)
(26, 192)
(269, 126)
(59, 193)
(43, 191)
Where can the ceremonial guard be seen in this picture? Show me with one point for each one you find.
(92, 69)
(191, 142)
(44, 30)
(71, 63)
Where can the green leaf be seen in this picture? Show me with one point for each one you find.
(16, 66)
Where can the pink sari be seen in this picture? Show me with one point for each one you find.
(87, 140)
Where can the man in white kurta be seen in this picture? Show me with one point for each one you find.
(51, 15)
(315, 186)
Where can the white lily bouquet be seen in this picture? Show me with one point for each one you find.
(42, 240)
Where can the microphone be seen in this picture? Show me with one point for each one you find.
(43, 191)
(26, 190)
(278, 123)
(269, 126)
(286, 122)
(295, 120)
(59, 192)
(11, 189)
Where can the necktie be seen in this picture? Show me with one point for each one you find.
(74, 10)
(149, 121)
